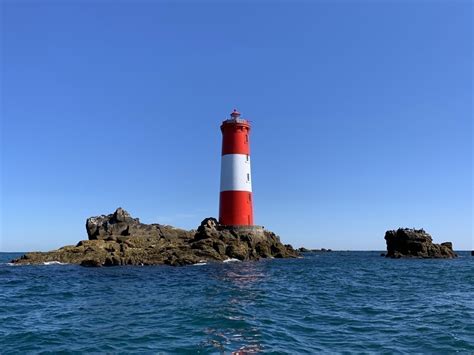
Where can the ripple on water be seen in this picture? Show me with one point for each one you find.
(334, 302)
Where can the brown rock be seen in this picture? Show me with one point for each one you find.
(120, 239)
(91, 263)
(417, 243)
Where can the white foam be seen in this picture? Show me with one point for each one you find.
(200, 263)
(54, 262)
(231, 260)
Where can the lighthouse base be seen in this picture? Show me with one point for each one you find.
(256, 230)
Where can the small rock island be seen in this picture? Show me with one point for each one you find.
(120, 239)
(416, 243)
(306, 250)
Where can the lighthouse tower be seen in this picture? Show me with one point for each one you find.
(235, 207)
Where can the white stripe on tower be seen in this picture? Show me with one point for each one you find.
(235, 173)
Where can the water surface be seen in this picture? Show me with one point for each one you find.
(332, 302)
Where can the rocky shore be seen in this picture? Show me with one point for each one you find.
(120, 239)
(415, 243)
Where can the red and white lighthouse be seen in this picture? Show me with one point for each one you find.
(235, 207)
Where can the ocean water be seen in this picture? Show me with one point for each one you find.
(333, 302)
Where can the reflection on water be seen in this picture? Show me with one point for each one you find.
(240, 290)
(244, 275)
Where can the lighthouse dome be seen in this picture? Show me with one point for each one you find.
(235, 114)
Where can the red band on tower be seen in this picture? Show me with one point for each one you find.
(235, 138)
(236, 208)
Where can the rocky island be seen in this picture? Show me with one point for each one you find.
(415, 243)
(120, 239)
(306, 250)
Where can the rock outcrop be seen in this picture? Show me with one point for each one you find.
(306, 250)
(120, 239)
(415, 243)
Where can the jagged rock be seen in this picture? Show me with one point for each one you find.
(449, 245)
(406, 242)
(207, 229)
(120, 239)
(120, 226)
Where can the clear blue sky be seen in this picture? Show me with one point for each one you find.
(361, 111)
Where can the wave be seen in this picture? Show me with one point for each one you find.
(54, 262)
(231, 260)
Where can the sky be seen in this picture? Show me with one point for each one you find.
(361, 116)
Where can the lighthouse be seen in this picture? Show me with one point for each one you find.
(235, 203)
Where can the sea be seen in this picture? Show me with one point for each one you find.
(337, 302)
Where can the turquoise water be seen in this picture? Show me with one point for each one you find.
(334, 302)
